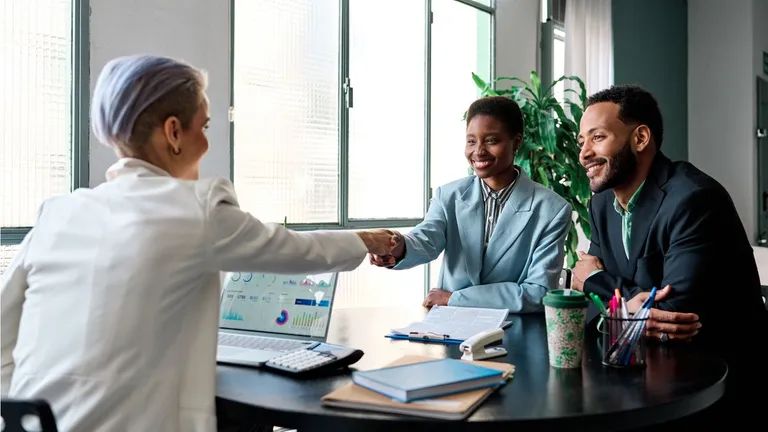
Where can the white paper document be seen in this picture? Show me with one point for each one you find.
(457, 323)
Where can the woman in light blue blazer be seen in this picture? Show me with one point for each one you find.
(503, 234)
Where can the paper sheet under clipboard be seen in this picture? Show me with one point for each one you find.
(458, 323)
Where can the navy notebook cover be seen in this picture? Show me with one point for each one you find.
(428, 379)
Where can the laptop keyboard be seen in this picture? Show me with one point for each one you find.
(260, 343)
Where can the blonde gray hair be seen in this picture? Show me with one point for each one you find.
(136, 94)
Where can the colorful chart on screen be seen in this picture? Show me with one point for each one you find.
(294, 305)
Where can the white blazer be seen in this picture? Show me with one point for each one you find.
(110, 309)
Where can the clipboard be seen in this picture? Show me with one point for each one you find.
(451, 325)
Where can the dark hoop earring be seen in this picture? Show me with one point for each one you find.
(176, 151)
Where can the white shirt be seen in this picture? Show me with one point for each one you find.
(110, 308)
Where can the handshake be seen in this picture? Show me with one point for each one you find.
(384, 246)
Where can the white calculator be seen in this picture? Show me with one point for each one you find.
(320, 358)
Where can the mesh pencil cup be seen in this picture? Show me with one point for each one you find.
(623, 341)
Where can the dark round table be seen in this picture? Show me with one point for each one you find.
(677, 381)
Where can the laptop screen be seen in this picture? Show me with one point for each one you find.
(298, 305)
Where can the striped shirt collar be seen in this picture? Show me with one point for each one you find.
(501, 195)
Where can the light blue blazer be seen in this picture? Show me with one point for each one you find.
(525, 254)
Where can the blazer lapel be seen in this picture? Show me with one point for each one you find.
(512, 221)
(470, 215)
(648, 204)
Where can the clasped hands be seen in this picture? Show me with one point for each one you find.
(677, 325)
(380, 242)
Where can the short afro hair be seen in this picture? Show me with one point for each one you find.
(636, 105)
(503, 109)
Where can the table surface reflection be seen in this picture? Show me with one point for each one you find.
(677, 381)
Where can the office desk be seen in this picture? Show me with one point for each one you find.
(677, 382)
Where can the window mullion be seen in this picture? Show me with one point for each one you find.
(80, 92)
(427, 123)
(343, 114)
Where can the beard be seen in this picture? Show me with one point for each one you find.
(621, 169)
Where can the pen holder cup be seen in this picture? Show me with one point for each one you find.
(622, 341)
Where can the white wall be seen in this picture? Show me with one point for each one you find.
(517, 37)
(195, 31)
(723, 52)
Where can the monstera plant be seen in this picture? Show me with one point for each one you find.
(549, 153)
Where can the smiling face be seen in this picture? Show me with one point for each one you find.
(606, 147)
(490, 150)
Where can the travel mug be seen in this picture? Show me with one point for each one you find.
(565, 312)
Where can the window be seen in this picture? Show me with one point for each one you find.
(342, 123)
(557, 53)
(40, 148)
(371, 286)
(286, 79)
(386, 122)
(461, 38)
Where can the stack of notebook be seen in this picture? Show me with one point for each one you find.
(423, 386)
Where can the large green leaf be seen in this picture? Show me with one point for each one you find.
(481, 84)
(536, 84)
(547, 132)
(576, 112)
(543, 179)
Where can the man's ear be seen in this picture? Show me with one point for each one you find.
(642, 138)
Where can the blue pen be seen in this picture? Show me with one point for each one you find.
(637, 332)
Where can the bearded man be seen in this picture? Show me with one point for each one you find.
(664, 224)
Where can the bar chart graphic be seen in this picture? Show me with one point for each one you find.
(305, 320)
(231, 315)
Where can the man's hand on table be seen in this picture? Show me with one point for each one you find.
(676, 325)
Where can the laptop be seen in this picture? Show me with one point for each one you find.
(265, 315)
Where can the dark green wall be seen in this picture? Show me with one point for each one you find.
(650, 48)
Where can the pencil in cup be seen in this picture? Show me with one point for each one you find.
(623, 344)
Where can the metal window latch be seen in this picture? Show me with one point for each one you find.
(348, 92)
(231, 114)
(761, 133)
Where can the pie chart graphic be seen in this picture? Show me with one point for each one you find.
(283, 318)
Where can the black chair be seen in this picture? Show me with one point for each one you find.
(14, 411)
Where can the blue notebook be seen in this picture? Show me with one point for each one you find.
(428, 379)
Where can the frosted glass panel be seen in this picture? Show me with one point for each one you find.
(6, 255)
(371, 286)
(35, 106)
(286, 83)
(460, 46)
(386, 129)
(558, 64)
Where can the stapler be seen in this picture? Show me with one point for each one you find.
(476, 347)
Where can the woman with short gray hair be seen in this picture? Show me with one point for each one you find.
(110, 307)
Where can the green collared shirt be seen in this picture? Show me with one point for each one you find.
(626, 221)
(626, 217)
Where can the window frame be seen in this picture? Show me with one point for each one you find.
(80, 134)
(344, 221)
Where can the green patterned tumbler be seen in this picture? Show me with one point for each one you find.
(565, 312)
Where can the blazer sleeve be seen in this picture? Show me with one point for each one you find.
(546, 265)
(426, 241)
(690, 263)
(237, 241)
